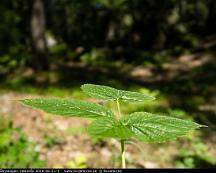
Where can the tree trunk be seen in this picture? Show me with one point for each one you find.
(38, 28)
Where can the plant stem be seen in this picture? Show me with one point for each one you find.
(122, 141)
(118, 107)
(123, 154)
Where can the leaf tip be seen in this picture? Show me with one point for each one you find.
(22, 100)
(200, 125)
(83, 86)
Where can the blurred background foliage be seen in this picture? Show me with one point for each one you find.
(16, 151)
(162, 48)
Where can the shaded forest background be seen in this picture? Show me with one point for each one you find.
(166, 48)
(40, 33)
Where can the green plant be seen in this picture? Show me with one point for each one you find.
(79, 161)
(197, 157)
(15, 149)
(143, 126)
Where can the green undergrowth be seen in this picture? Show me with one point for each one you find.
(16, 151)
(196, 155)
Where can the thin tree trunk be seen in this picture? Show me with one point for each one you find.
(38, 28)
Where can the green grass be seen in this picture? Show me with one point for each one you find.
(49, 90)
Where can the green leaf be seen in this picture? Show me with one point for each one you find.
(109, 128)
(100, 91)
(155, 128)
(134, 96)
(5, 137)
(66, 107)
(109, 93)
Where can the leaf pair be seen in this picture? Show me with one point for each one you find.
(66, 107)
(109, 93)
(141, 125)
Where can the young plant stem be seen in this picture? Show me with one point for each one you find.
(123, 153)
(118, 107)
(122, 141)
